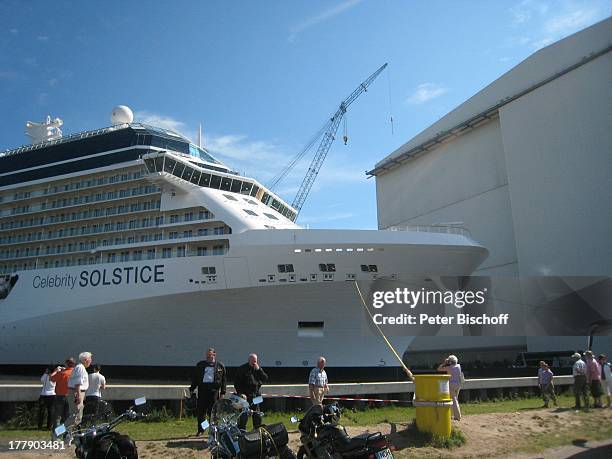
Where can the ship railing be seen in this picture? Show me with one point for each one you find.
(77, 136)
(444, 228)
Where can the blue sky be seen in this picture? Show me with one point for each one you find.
(262, 77)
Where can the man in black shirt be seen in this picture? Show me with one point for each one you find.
(248, 381)
(209, 378)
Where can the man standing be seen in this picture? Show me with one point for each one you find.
(317, 382)
(606, 378)
(593, 376)
(545, 380)
(580, 383)
(209, 378)
(60, 377)
(77, 385)
(248, 381)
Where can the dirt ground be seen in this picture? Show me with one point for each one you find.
(487, 435)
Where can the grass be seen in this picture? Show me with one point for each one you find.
(174, 428)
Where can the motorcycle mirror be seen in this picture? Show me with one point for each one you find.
(140, 401)
(205, 425)
(294, 419)
(258, 400)
(60, 430)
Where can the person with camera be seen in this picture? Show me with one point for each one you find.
(209, 378)
(248, 381)
(46, 398)
(60, 377)
(452, 367)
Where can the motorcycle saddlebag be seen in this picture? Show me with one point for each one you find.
(274, 435)
(113, 445)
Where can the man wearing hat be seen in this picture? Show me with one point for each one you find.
(580, 383)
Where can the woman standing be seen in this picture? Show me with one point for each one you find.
(46, 399)
(452, 367)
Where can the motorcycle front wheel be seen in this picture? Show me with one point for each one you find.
(219, 453)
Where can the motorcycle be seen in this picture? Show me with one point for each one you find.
(227, 440)
(96, 439)
(323, 437)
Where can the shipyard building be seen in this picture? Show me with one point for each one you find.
(526, 165)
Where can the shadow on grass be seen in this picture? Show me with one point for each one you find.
(411, 437)
(600, 452)
(191, 444)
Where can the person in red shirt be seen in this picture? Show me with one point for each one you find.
(60, 377)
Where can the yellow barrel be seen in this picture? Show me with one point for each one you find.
(433, 404)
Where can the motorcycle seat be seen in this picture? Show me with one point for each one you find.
(358, 442)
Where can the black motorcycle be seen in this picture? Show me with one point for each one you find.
(227, 441)
(323, 437)
(95, 439)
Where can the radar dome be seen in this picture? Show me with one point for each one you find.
(122, 114)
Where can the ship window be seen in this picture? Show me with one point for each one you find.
(236, 185)
(178, 170)
(254, 190)
(327, 267)
(246, 188)
(369, 268)
(187, 173)
(226, 184)
(169, 164)
(230, 197)
(250, 212)
(270, 216)
(195, 178)
(285, 268)
(150, 165)
(215, 182)
(159, 163)
(205, 180)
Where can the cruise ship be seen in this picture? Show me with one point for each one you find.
(140, 246)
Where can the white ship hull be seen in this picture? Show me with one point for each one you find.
(165, 312)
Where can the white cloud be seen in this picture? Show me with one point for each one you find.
(321, 17)
(548, 25)
(14, 31)
(527, 9)
(425, 92)
(43, 38)
(164, 121)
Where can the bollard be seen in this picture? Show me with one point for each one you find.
(433, 404)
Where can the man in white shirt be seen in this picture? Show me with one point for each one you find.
(77, 386)
(580, 381)
(317, 382)
(93, 394)
(606, 378)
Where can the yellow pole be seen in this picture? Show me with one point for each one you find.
(408, 372)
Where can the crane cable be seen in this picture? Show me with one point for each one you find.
(408, 372)
(390, 107)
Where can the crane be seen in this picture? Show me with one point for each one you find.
(330, 129)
